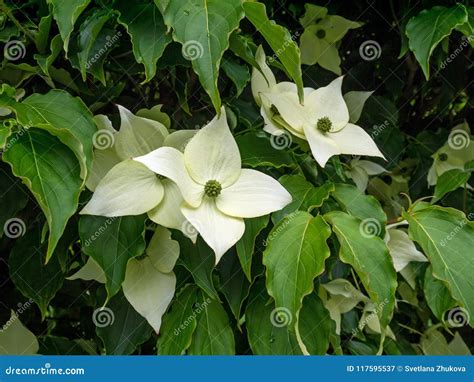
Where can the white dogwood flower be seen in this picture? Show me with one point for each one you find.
(323, 120)
(217, 192)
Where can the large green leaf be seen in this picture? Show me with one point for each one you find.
(447, 239)
(51, 172)
(111, 242)
(280, 41)
(426, 30)
(295, 255)
(369, 257)
(246, 245)
(204, 27)
(62, 115)
(437, 295)
(120, 327)
(66, 12)
(179, 323)
(449, 181)
(213, 334)
(147, 30)
(33, 278)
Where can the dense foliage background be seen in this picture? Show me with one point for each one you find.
(316, 277)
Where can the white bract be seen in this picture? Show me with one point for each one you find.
(360, 170)
(323, 120)
(217, 192)
(124, 187)
(401, 248)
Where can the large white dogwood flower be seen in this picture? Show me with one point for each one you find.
(323, 120)
(217, 192)
(125, 187)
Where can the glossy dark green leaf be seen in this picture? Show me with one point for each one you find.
(437, 295)
(449, 181)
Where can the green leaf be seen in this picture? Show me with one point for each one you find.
(364, 207)
(426, 30)
(199, 260)
(243, 47)
(447, 239)
(295, 255)
(246, 245)
(437, 295)
(369, 257)
(258, 151)
(266, 333)
(305, 195)
(121, 329)
(49, 169)
(179, 323)
(239, 74)
(111, 242)
(204, 27)
(71, 122)
(45, 61)
(147, 30)
(213, 334)
(28, 271)
(66, 13)
(449, 181)
(279, 40)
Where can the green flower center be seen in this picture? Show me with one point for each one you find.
(321, 33)
(212, 188)
(443, 157)
(324, 124)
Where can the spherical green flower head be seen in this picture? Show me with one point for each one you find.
(324, 124)
(212, 188)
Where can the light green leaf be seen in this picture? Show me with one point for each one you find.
(369, 257)
(449, 181)
(447, 239)
(279, 40)
(147, 30)
(162, 250)
(50, 170)
(179, 322)
(90, 271)
(72, 123)
(213, 334)
(204, 27)
(355, 101)
(111, 242)
(426, 30)
(16, 339)
(66, 12)
(295, 255)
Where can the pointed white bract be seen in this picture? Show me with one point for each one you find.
(217, 193)
(324, 120)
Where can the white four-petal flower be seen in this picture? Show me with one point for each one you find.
(217, 192)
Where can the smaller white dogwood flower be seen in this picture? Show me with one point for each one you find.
(360, 170)
(323, 120)
(217, 192)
